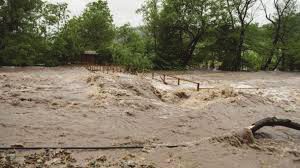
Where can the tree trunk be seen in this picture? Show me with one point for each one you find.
(275, 41)
(273, 121)
(283, 62)
(278, 62)
(213, 61)
(266, 67)
(190, 50)
(237, 66)
(155, 41)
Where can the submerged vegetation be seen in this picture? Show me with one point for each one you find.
(175, 34)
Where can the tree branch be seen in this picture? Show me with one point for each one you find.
(273, 121)
(265, 9)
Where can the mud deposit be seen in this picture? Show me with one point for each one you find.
(72, 107)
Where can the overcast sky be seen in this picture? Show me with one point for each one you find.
(124, 11)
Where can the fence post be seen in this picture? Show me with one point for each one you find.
(152, 75)
(178, 81)
(198, 86)
(164, 78)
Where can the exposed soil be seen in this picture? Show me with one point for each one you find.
(74, 107)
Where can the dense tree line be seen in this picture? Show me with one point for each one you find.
(176, 34)
(222, 33)
(28, 30)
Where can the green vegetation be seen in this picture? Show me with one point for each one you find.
(176, 34)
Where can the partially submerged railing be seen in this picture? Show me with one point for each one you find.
(177, 78)
(106, 68)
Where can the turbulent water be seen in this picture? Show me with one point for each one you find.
(75, 107)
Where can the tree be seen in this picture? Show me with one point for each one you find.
(96, 28)
(181, 25)
(284, 8)
(25, 38)
(290, 60)
(71, 35)
(129, 48)
(239, 8)
(150, 11)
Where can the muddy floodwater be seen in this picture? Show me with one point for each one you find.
(176, 125)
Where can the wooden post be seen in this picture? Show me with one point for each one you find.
(198, 86)
(178, 81)
(152, 75)
(164, 78)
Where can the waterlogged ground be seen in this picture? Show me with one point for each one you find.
(74, 107)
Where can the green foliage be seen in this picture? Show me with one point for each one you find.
(217, 34)
(291, 45)
(93, 30)
(17, 53)
(25, 31)
(95, 26)
(129, 48)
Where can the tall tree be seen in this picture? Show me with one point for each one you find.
(240, 23)
(93, 30)
(150, 11)
(189, 21)
(96, 26)
(283, 9)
